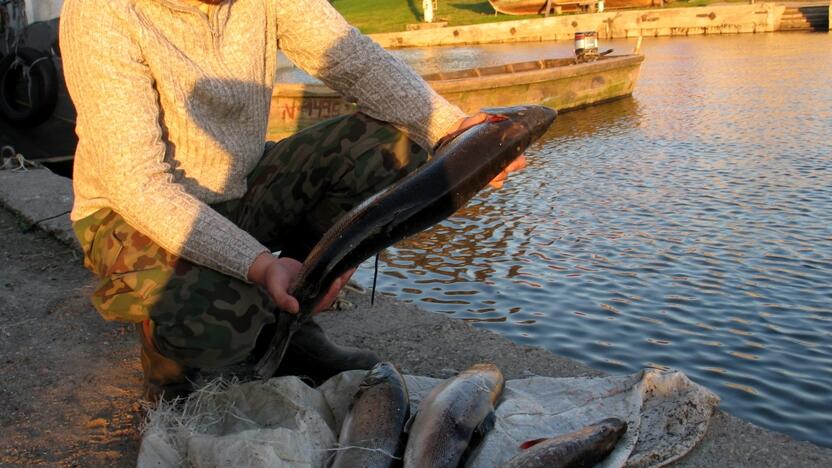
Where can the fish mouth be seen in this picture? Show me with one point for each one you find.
(614, 424)
(616, 428)
(491, 376)
(537, 119)
(381, 372)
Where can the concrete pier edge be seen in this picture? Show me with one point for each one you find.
(432, 344)
(687, 21)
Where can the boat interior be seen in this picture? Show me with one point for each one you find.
(505, 69)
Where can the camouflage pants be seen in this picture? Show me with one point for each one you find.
(202, 318)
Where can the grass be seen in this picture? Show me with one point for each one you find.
(376, 16)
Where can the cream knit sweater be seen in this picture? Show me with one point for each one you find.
(173, 105)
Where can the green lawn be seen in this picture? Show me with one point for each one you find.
(375, 16)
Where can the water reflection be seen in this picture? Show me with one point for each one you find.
(686, 227)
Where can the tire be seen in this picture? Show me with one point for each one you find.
(27, 102)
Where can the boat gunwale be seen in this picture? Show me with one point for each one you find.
(542, 9)
(539, 75)
(539, 11)
(319, 90)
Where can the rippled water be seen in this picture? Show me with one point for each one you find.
(685, 227)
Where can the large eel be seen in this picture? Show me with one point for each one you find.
(460, 168)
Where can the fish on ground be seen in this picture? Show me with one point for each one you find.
(450, 415)
(583, 448)
(371, 435)
(460, 168)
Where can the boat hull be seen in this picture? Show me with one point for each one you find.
(559, 84)
(620, 4)
(538, 7)
(519, 7)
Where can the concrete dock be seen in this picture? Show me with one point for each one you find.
(733, 18)
(71, 391)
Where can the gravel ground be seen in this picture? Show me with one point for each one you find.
(71, 381)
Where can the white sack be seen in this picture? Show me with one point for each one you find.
(283, 422)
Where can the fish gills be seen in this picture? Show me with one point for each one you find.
(583, 448)
(449, 416)
(373, 426)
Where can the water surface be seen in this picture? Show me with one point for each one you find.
(685, 227)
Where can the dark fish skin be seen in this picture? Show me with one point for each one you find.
(583, 448)
(458, 170)
(449, 415)
(375, 421)
(456, 173)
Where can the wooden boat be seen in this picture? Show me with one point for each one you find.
(520, 7)
(618, 4)
(558, 83)
(538, 7)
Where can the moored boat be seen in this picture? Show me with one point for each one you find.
(558, 83)
(538, 7)
(616, 4)
(520, 7)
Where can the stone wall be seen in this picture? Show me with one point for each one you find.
(713, 19)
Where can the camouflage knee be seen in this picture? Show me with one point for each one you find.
(312, 178)
(201, 318)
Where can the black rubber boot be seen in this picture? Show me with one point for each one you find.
(164, 379)
(311, 354)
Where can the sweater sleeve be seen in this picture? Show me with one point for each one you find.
(119, 124)
(317, 39)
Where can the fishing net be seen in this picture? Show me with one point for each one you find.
(284, 422)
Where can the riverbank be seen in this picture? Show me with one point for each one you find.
(73, 381)
(380, 16)
(475, 22)
(712, 19)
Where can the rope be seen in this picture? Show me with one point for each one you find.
(375, 278)
(33, 225)
(8, 163)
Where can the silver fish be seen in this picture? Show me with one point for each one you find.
(450, 415)
(582, 448)
(371, 435)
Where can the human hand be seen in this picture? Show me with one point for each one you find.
(276, 276)
(515, 165)
(476, 119)
(469, 122)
